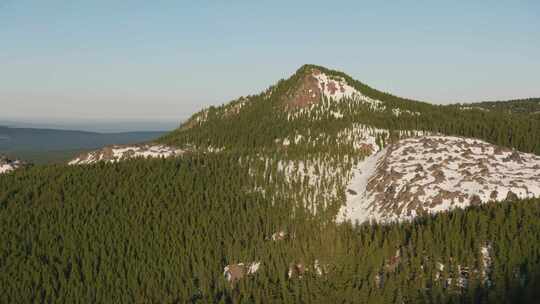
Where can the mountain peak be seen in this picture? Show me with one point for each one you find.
(311, 84)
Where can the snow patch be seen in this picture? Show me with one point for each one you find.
(118, 153)
(7, 165)
(337, 88)
(431, 174)
(355, 208)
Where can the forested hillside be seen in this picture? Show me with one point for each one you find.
(162, 231)
(258, 121)
(241, 204)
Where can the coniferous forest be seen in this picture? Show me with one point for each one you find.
(163, 230)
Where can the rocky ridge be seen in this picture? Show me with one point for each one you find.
(429, 174)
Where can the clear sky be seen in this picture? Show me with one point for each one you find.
(164, 60)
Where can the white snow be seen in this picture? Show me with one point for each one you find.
(278, 236)
(397, 112)
(334, 90)
(118, 153)
(485, 252)
(337, 88)
(432, 174)
(247, 269)
(7, 165)
(355, 209)
(253, 267)
(6, 168)
(336, 114)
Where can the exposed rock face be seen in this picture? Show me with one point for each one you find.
(117, 153)
(429, 174)
(307, 92)
(8, 165)
(316, 85)
(235, 272)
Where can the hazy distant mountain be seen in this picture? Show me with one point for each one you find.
(99, 126)
(36, 144)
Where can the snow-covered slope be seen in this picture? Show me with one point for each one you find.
(337, 88)
(7, 165)
(430, 174)
(117, 153)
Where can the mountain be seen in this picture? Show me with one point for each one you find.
(329, 118)
(267, 199)
(258, 121)
(392, 158)
(40, 145)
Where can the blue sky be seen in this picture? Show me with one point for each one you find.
(164, 60)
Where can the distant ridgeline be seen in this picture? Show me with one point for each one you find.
(40, 145)
(318, 190)
(529, 106)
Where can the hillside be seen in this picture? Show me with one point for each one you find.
(266, 199)
(319, 118)
(286, 109)
(165, 230)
